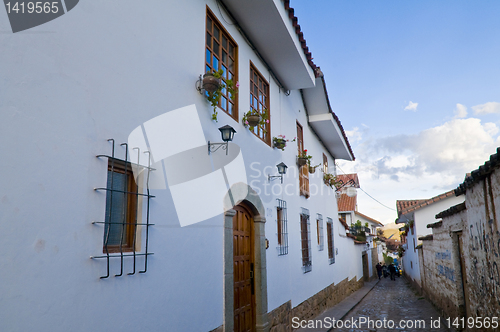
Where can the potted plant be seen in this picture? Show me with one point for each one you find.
(304, 158)
(331, 180)
(312, 169)
(253, 118)
(280, 142)
(213, 81)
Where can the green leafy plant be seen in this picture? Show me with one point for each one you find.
(263, 118)
(304, 155)
(214, 97)
(280, 141)
(331, 180)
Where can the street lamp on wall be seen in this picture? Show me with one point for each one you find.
(281, 171)
(227, 133)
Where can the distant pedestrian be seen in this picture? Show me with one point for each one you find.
(379, 270)
(392, 270)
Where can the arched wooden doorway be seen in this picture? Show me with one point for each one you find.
(244, 266)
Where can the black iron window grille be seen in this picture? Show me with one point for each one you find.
(305, 234)
(124, 201)
(282, 226)
(319, 232)
(329, 235)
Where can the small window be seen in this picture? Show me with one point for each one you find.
(221, 53)
(259, 101)
(305, 241)
(121, 208)
(304, 170)
(325, 164)
(329, 235)
(282, 227)
(319, 232)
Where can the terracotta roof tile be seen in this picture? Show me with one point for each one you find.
(347, 177)
(407, 206)
(346, 203)
(480, 173)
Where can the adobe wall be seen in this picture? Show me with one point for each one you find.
(482, 246)
(440, 266)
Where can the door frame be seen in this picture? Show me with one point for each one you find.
(252, 202)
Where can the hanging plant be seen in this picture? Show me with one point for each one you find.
(210, 80)
(280, 142)
(253, 118)
(312, 169)
(304, 158)
(331, 180)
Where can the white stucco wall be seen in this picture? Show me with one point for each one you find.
(422, 217)
(97, 73)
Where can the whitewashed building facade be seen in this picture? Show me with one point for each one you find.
(107, 94)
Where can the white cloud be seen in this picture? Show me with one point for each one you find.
(422, 165)
(491, 107)
(460, 112)
(354, 135)
(411, 107)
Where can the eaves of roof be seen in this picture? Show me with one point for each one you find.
(479, 174)
(366, 217)
(451, 211)
(427, 237)
(423, 203)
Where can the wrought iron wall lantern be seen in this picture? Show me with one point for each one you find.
(281, 171)
(350, 191)
(207, 82)
(227, 133)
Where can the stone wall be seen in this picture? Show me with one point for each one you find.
(326, 298)
(482, 246)
(280, 319)
(440, 264)
(374, 262)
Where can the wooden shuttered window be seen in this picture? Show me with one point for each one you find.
(305, 241)
(304, 170)
(329, 235)
(259, 101)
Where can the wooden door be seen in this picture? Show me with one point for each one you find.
(366, 273)
(243, 257)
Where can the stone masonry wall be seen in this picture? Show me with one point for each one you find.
(482, 246)
(440, 267)
(326, 298)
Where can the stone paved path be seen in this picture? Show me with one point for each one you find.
(396, 301)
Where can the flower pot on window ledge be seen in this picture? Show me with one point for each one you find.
(301, 161)
(210, 82)
(253, 120)
(312, 169)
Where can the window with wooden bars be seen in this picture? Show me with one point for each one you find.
(319, 232)
(259, 101)
(282, 227)
(305, 241)
(303, 170)
(121, 208)
(329, 235)
(221, 52)
(325, 164)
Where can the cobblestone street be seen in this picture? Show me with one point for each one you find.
(394, 301)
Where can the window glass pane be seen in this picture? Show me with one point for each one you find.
(208, 56)
(224, 71)
(116, 204)
(224, 42)
(209, 24)
(224, 57)
(223, 103)
(215, 63)
(209, 40)
(255, 102)
(231, 50)
(229, 75)
(216, 48)
(208, 69)
(230, 108)
(216, 33)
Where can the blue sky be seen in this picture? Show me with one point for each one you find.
(416, 85)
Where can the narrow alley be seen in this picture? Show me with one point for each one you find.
(393, 302)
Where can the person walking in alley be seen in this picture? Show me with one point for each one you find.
(392, 270)
(379, 270)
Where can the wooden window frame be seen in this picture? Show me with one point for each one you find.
(212, 22)
(305, 238)
(320, 232)
(130, 220)
(282, 227)
(261, 87)
(303, 170)
(329, 235)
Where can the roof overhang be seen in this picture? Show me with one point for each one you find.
(281, 49)
(323, 122)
